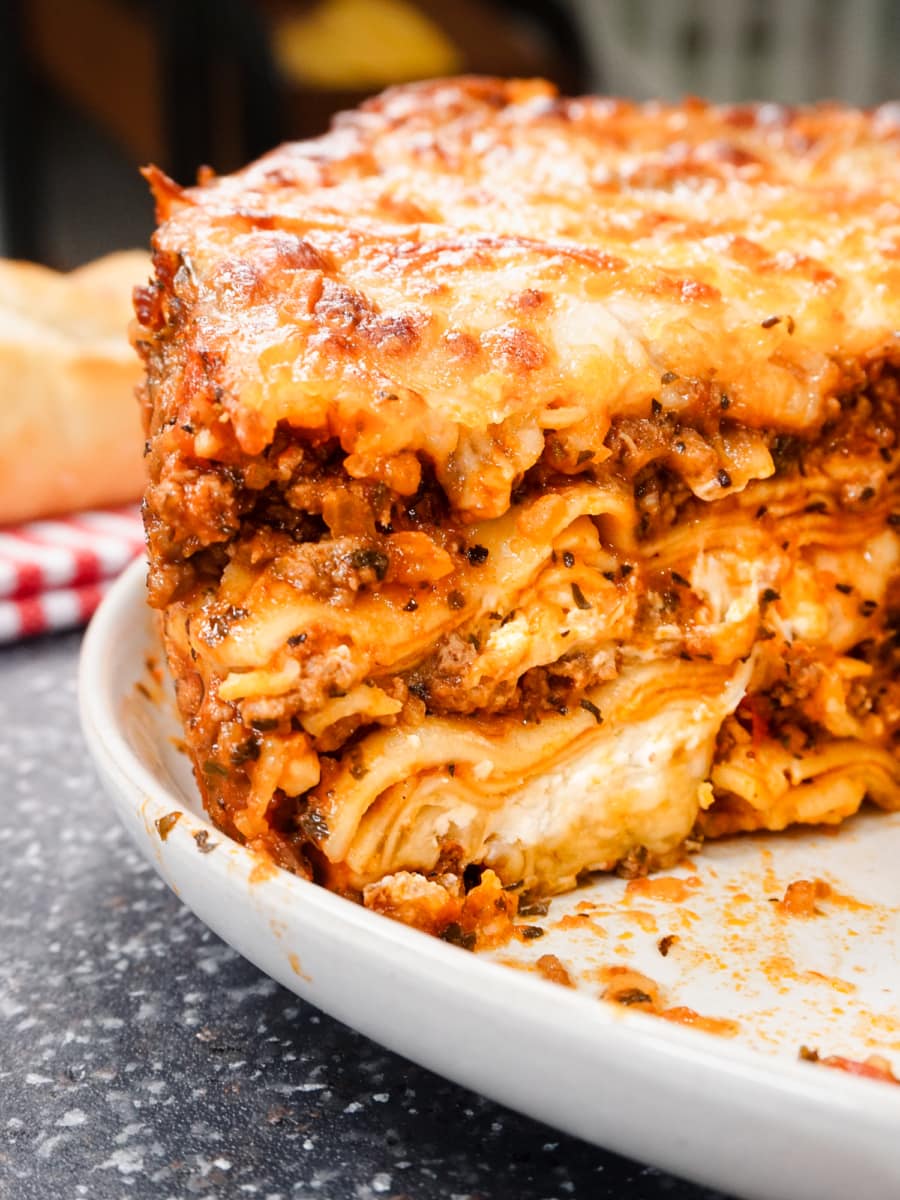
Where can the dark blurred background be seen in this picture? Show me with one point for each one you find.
(90, 89)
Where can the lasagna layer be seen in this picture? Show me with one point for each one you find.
(524, 486)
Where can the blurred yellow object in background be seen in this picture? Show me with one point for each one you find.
(363, 44)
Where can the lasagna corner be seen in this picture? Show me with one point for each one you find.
(524, 495)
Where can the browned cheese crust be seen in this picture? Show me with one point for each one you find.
(492, 419)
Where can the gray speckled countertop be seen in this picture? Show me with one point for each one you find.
(141, 1057)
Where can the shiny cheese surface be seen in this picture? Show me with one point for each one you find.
(466, 264)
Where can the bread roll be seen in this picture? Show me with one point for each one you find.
(70, 429)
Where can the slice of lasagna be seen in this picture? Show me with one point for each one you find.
(525, 484)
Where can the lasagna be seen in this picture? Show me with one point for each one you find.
(524, 486)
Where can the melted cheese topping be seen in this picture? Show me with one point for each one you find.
(462, 266)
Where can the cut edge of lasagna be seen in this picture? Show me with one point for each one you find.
(524, 490)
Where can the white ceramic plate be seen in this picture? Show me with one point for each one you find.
(739, 1113)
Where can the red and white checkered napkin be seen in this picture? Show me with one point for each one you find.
(53, 574)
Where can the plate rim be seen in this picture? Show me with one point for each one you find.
(469, 975)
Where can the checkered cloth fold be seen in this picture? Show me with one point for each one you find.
(53, 573)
